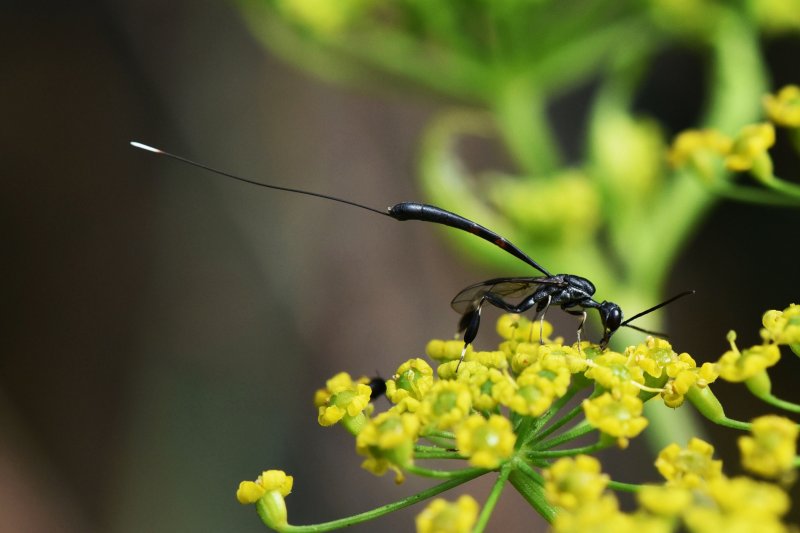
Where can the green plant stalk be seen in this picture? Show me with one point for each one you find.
(520, 112)
(532, 490)
(491, 501)
(384, 510)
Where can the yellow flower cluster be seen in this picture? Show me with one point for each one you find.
(474, 404)
(696, 496)
(706, 151)
(771, 449)
(709, 152)
(783, 108)
(782, 327)
(497, 411)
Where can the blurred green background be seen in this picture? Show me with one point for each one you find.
(164, 329)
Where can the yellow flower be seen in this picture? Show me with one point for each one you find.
(346, 402)
(446, 404)
(573, 482)
(771, 450)
(602, 516)
(519, 328)
(621, 418)
(688, 467)
(783, 327)
(556, 356)
(487, 443)
(738, 366)
(440, 350)
(269, 480)
(268, 492)
(613, 371)
(665, 500)
(408, 386)
(742, 495)
(750, 148)
(534, 390)
(442, 516)
(388, 442)
(784, 108)
(481, 386)
(702, 151)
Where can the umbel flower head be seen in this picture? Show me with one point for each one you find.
(512, 413)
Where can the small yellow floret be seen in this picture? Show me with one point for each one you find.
(735, 365)
(519, 328)
(571, 483)
(442, 516)
(688, 467)
(346, 399)
(702, 151)
(388, 443)
(771, 450)
(784, 108)
(750, 147)
(664, 500)
(621, 418)
(269, 480)
(615, 372)
(411, 382)
(783, 327)
(487, 443)
(446, 404)
(744, 496)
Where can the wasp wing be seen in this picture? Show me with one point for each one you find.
(468, 299)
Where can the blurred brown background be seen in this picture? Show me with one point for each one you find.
(164, 329)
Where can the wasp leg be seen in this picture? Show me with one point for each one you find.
(581, 313)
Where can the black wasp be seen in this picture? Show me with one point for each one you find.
(572, 293)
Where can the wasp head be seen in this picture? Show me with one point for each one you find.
(611, 317)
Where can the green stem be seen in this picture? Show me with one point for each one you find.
(782, 186)
(383, 510)
(491, 501)
(440, 454)
(753, 195)
(580, 429)
(522, 465)
(777, 402)
(554, 409)
(533, 492)
(733, 424)
(448, 435)
(520, 113)
(443, 474)
(625, 487)
(559, 423)
(591, 448)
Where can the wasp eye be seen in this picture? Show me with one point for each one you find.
(612, 316)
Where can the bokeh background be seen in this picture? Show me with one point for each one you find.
(164, 329)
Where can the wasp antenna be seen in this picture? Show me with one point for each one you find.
(654, 308)
(143, 146)
(648, 331)
(182, 159)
